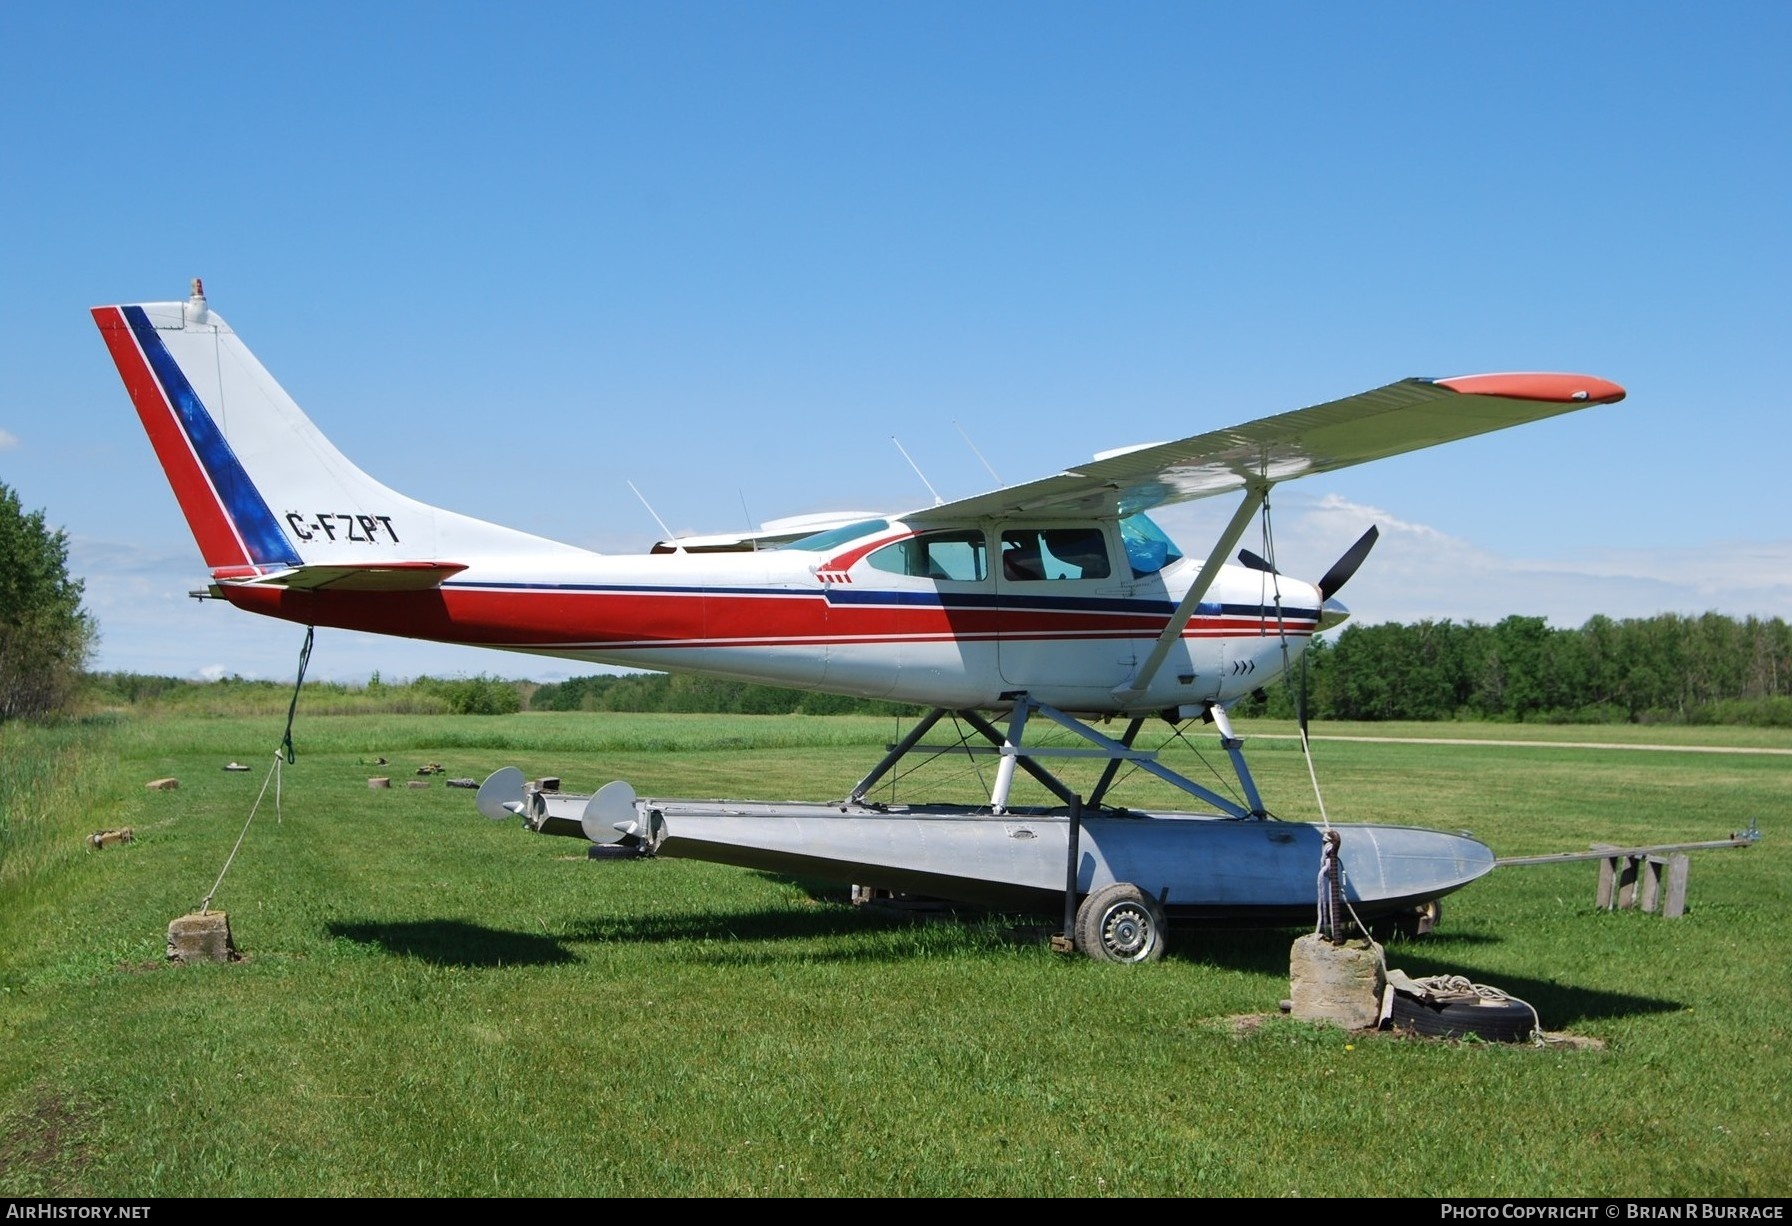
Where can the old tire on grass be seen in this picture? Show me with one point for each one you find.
(1120, 923)
(1497, 1020)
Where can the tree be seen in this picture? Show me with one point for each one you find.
(45, 635)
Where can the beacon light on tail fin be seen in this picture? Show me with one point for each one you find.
(1058, 598)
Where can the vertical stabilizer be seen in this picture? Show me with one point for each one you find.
(262, 489)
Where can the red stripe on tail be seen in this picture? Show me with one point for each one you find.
(217, 537)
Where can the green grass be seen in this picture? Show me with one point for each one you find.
(432, 1004)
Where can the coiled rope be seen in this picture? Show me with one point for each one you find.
(1454, 989)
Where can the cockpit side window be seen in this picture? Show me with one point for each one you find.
(953, 556)
(1055, 553)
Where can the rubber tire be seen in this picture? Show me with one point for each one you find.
(1120, 923)
(1499, 1021)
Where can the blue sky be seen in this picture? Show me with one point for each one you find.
(511, 260)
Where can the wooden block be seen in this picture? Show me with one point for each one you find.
(106, 838)
(162, 785)
(1650, 867)
(379, 781)
(202, 937)
(416, 783)
(1627, 884)
(1675, 904)
(1608, 876)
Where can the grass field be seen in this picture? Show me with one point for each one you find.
(434, 1005)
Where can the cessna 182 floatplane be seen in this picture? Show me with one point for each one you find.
(1057, 602)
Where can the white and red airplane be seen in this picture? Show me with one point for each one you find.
(1058, 597)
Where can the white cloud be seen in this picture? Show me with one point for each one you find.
(8, 440)
(1418, 572)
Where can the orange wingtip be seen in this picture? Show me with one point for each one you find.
(1555, 388)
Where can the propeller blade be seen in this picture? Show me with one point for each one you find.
(1345, 566)
(1256, 561)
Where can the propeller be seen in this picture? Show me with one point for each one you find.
(1345, 566)
(1336, 577)
(1256, 561)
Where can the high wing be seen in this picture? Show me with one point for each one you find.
(1401, 417)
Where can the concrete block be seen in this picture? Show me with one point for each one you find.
(1336, 983)
(201, 937)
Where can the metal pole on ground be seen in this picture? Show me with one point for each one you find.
(1070, 868)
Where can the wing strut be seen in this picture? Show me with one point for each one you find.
(1134, 689)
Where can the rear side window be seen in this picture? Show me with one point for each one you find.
(956, 556)
(1055, 553)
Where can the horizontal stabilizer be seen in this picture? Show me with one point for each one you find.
(384, 577)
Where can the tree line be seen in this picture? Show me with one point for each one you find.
(681, 693)
(45, 634)
(1668, 668)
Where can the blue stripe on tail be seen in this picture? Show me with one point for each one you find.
(262, 536)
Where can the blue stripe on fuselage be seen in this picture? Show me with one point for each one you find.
(842, 595)
(261, 533)
(1058, 604)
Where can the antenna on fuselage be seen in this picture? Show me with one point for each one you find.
(937, 500)
(968, 443)
(656, 517)
(748, 516)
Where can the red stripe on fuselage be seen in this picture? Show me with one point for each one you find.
(211, 527)
(624, 620)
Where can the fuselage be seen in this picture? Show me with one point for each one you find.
(951, 616)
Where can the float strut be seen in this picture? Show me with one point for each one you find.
(993, 735)
(1017, 727)
(920, 730)
(1113, 767)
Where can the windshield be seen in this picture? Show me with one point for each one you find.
(1148, 549)
(835, 537)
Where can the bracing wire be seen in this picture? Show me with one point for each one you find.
(283, 754)
(1275, 582)
(972, 769)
